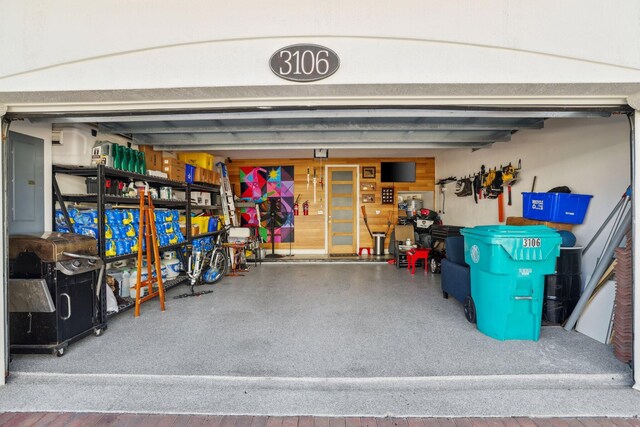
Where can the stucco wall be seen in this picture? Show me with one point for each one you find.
(76, 45)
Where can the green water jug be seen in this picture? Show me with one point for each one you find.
(125, 158)
(142, 163)
(116, 151)
(132, 160)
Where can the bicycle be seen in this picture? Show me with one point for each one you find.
(218, 261)
(205, 265)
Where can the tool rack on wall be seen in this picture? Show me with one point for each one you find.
(105, 201)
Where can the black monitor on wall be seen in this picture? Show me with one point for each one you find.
(398, 172)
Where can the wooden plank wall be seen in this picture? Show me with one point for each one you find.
(309, 230)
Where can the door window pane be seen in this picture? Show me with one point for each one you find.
(342, 202)
(342, 175)
(341, 240)
(342, 227)
(342, 188)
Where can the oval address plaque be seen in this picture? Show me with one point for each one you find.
(304, 62)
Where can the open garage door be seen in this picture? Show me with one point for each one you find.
(346, 133)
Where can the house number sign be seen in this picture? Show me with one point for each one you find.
(304, 62)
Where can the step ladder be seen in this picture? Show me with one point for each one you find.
(148, 232)
(226, 196)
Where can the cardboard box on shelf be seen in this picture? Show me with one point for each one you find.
(169, 155)
(152, 158)
(204, 160)
(200, 175)
(174, 168)
(202, 198)
(170, 161)
(157, 173)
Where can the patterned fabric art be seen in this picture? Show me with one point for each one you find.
(268, 185)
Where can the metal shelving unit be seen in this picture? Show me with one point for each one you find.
(131, 302)
(213, 189)
(104, 201)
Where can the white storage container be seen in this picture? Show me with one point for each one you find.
(74, 147)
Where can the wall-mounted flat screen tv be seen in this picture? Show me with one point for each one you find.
(398, 172)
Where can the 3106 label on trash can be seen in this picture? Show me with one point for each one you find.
(531, 242)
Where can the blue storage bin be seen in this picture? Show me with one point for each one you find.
(555, 207)
(190, 172)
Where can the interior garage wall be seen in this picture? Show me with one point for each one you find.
(310, 230)
(42, 131)
(590, 156)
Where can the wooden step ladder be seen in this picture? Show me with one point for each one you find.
(226, 196)
(147, 230)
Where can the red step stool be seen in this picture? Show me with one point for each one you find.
(414, 255)
(362, 249)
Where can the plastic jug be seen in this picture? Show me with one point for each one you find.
(126, 284)
(117, 153)
(133, 159)
(100, 154)
(142, 164)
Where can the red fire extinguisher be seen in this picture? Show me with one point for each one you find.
(296, 207)
(305, 208)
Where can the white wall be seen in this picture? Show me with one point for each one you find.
(82, 45)
(590, 156)
(42, 131)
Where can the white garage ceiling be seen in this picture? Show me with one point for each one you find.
(270, 133)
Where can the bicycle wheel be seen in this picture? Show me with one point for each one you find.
(217, 268)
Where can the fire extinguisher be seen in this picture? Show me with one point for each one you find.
(296, 207)
(305, 208)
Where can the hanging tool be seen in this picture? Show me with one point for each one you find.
(501, 207)
(389, 218)
(510, 176)
(315, 180)
(441, 183)
(477, 187)
(307, 178)
(496, 191)
(366, 222)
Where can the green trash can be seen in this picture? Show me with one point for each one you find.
(508, 265)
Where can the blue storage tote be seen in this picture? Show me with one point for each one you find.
(190, 172)
(555, 207)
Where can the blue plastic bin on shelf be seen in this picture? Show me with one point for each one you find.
(555, 207)
(508, 265)
(189, 173)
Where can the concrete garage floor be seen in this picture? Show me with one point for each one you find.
(336, 339)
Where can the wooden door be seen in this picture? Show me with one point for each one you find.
(342, 209)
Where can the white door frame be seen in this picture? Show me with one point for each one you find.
(4, 246)
(326, 206)
(635, 205)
